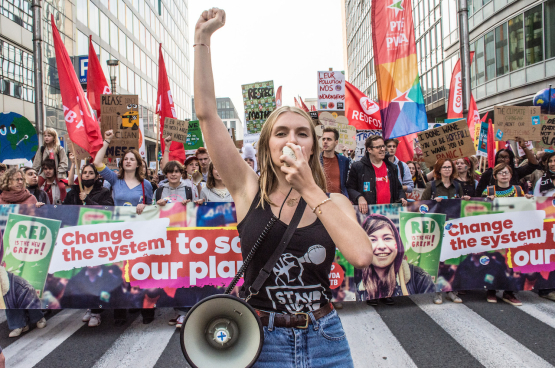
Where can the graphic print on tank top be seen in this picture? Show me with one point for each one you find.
(288, 288)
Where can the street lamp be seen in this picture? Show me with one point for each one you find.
(113, 64)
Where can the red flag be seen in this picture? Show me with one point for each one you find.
(303, 105)
(313, 108)
(82, 126)
(278, 97)
(96, 81)
(455, 108)
(165, 108)
(297, 104)
(362, 112)
(491, 145)
(473, 117)
(405, 149)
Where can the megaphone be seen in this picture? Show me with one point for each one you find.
(222, 331)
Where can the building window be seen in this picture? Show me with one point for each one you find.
(501, 50)
(114, 36)
(123, 76)
(83, 11)
(534, 35)
(93, 18)
(104, 28)
(516, 42)
(16, 73)
(479, 61)
(549, 29)
(18, 11)
(489, 46)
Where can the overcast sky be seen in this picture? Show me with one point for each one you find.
(286, 41)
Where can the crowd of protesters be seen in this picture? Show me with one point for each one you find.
(378, 178)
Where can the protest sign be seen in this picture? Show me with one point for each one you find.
(416, 194)
(331, 91)
(422, 235)
(482, 141)
(259, 101)
(28, 247)
(547, 132)
(362, 135)
(347, 133)
(177, 129)
(517, 121)
(529, 145)
(450, 141)
(120, 113)
(18, 138)
(194, 136)
(78, 152)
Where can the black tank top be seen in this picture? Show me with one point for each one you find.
(300, 279)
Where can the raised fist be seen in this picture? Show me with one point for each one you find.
(108, 134)
(210, 21)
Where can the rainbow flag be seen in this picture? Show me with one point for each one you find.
(399, 93)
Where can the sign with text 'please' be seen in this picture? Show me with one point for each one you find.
(120, 113)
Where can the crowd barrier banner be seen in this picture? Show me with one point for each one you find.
(174, 256)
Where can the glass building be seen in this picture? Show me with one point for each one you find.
(127, 30)
(228, 114)
(514, 44)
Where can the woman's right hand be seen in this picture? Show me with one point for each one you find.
(161, 202)
(168, 141)
(71, 157)
(210, 21)
(108, 135)
(362, 205)
(438, 199)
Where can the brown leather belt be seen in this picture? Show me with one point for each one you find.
(295, 320)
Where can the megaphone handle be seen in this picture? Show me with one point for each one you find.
(250, 256)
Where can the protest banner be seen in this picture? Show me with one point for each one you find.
(362, 136)
(185, 253)
(482, 147)
(416, 194)
(547, 132)
(194, 136)
(517, 121)
(28, 247)
(450, 141)
(347, 133)
(331, 91)
(177, 129)
(120, 113)
(78, 152)
(422, 234)
(259, 101)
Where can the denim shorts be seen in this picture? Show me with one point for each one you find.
(322, 344)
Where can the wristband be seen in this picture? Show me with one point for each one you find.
(106, 141)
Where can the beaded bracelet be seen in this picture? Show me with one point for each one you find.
(321, 203)
(202, 44)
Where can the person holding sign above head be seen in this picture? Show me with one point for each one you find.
(544, 186)
(291, 188)
(128, 187)
(502, 173)
(508, 157)
(374, 180)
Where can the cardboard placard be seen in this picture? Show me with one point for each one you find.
(451, 141)
(517, 121)
(331, 91)
(547, 132)
(79, 153)
(259, 100)
(347, 133)
(120, 113)
(482, 146)
(176, 128)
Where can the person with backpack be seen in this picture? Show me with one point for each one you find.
(503, 188)
(51, 149)
(174, 190)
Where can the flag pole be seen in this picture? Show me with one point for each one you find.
(76, 166)
(157, 143)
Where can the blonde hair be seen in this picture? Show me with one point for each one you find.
(268, 176)
(54, 133)
(8, 175)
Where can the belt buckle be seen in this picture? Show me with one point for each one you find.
(307, 320)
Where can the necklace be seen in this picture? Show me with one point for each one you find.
(291, 202)
(222, 193)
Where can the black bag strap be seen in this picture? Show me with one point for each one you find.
(491, 190)
(457, 188)
(267, 269)
(434, 189)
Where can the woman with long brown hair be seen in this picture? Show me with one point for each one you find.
(287, 180)
(215, 189)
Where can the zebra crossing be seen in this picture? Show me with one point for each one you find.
(412, 333)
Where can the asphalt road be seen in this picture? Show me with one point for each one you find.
(412, 333)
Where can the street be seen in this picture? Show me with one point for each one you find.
(412, 333)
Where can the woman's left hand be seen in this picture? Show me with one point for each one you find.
(404, 202)
(528, 196)
(438, 199)
(466, 198)
(140, 208)
(298, 173)
(185, 202)
(82, 196)
(199, 201)
(39, 204)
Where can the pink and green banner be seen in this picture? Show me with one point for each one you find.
(401, 102)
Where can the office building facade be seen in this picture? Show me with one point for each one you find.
(228, 113)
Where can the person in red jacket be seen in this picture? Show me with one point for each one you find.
(51, 184)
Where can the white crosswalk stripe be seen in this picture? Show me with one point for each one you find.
(372, 342)
(140, 345)
(484, 341)
(366, 332)
(32, 347)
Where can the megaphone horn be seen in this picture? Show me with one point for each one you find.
(222, 330)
